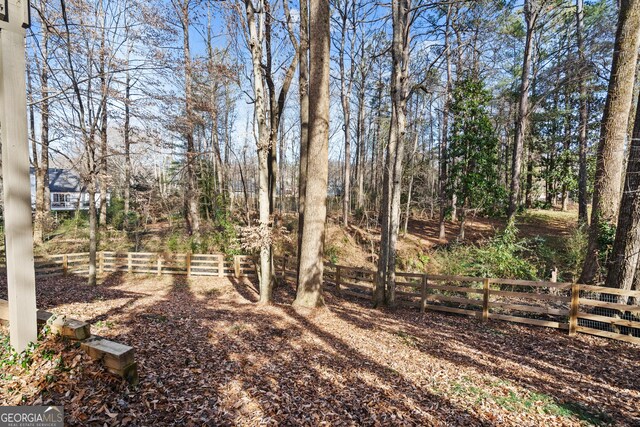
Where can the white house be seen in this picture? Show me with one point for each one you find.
(66, 190)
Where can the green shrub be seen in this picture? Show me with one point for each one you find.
(606, 237)
(75, 225)
(218, 237)
(332, 253)
(173, 242)
(120, 220)
(504, 256)
(575, 250)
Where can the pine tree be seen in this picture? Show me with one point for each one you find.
(474, 146)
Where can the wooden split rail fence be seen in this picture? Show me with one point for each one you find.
(595, 310)
(216, 265)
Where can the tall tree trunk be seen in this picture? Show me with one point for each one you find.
(412, 172)
(360, 140)
(282, 149)
(216, 156)
(531, 11)
(303, 85)
(127, 141)
(385, 278)
(103, 131)
(626, 247)
(613, 133)
(88, 136)
(274, 118)
(463, 220)
(345, 98)
(225, 167)
(256, 38)
(377, 153)
(584, 116)
(93, 211)
(566, 150)
(309, 292)
(191, 193)
(38, 223)
(445, 131)
(528, 192)
(276, 101)
(43, 197)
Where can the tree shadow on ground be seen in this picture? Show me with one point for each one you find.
(272, 365)
(245, 288)
(597, 379)
(208, 356)
(55, 291)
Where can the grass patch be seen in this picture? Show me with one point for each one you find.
(547, 215)
(406, 338)
(106, 324)
(506, 396)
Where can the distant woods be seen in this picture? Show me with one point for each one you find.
(242, 115)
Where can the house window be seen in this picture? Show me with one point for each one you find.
(60, 199)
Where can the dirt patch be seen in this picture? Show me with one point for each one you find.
(209, 356)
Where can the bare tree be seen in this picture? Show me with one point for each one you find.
(532, 10)
(384, 292)
(104, 96)
(182, 9)
(347, 27)
(87, 119)
(41, 162)
(445, 127)
(303, 84)
(127, 135)
(363, 71)
(310, 277)
(268, 113)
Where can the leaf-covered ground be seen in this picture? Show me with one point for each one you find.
(209, 356)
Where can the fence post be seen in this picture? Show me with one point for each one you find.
(159, 262)
(188, 262)
(573, 312)
(65, 264)
(423, 294)
(338, 291)
(236, 265)
(485, 300)
(129, 262)
(220, 265)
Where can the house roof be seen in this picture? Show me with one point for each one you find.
(63, 181)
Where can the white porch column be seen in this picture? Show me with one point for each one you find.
(15, 174)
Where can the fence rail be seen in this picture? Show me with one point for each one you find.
(576, 308)
(216, 265)
(596, 310)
